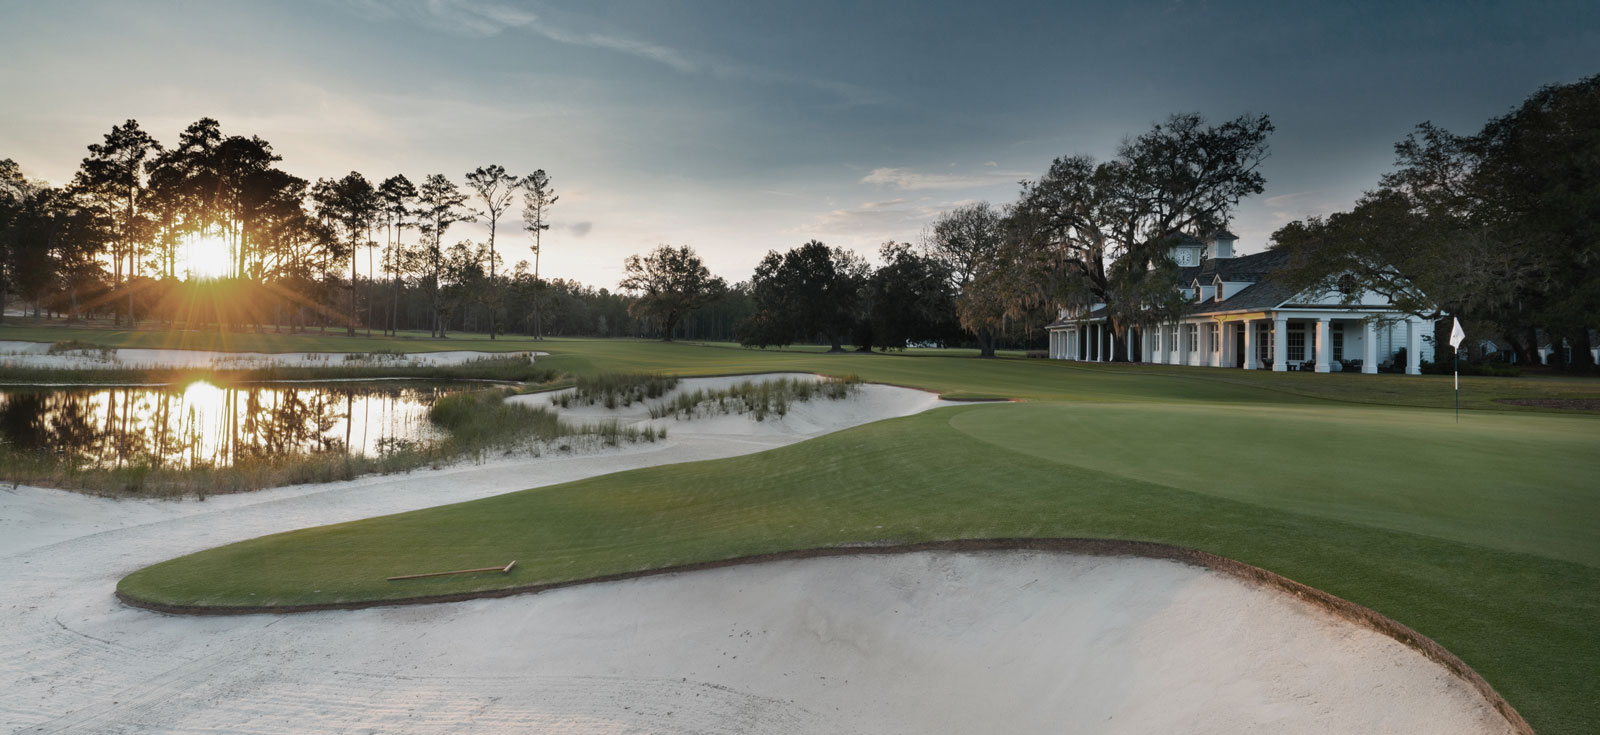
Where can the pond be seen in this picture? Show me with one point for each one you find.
(205, 425)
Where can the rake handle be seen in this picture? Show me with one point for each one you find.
(503, 570)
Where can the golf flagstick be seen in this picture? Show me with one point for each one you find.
(1457, 336)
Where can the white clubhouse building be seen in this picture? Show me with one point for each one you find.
(1240, 318)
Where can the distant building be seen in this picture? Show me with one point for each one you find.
(1241, 318)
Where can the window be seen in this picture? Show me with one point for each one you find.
(1213, 329)
(1193, 336)
(1337, 330)
(1297, 343)
(1264, 341)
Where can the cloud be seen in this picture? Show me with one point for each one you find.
(478, 18)
(1287, 207)
(1283, 201)
(466, 17)
(642, 49)
(895, 219)
(581, 228)
(907, 180)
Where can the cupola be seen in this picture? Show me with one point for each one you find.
(1220, 244)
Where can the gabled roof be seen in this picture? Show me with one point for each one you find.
(1243, 268)
(1223, 234)
(1264, 294)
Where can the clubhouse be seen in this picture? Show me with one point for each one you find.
(1241, 318)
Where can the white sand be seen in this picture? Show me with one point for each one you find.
(36, 355)
(931, 642)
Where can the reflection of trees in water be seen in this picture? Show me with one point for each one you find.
(203, 425)
(296, 421)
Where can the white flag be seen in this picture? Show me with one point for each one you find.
(1457, 336)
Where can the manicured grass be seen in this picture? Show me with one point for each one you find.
(1522, 618)
(1478, 534)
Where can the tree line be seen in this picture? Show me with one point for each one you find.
(1500, 228)
(1085, 233)
(115, 241)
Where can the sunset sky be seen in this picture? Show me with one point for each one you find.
(736, 128)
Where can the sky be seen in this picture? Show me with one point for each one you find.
(737, 128)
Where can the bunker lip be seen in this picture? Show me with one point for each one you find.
(1339, 607)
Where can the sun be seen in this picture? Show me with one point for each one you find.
(206, 257)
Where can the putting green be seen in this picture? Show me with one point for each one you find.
(1495, 480)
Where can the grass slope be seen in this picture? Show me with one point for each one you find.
(1479, 535)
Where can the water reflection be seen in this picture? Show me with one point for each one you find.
(204, 425)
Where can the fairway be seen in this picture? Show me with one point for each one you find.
(1477, 534)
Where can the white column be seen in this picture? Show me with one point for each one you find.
(1369, 348)
(1130, 344)
(1324, 345)
(1221, 359)
(1413, 347)
(1220, 343)
(1183, 344)
(1249, 327)
(1280, 344)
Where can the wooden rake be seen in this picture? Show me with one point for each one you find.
(503, 570)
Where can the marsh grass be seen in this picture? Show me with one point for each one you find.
(483, 424)
(67, 346)
(759, 398)
(615, 389)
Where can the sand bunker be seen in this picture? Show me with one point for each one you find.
(914, 643)
(917, 643)
(36, 355)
